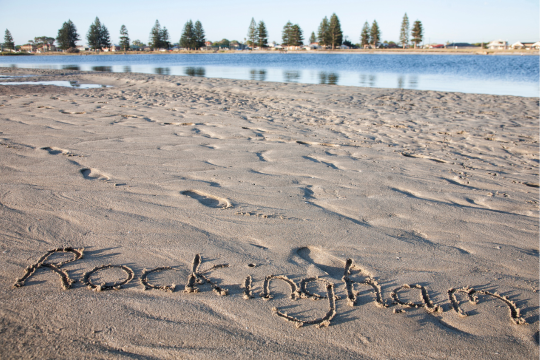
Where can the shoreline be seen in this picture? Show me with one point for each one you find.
(427, 192)
(340, 51)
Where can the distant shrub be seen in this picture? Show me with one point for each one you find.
(72, 50)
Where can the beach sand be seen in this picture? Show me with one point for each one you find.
(435, 190)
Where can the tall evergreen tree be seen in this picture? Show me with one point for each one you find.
(155, 36)
(404, 33)
(263, 35)
(124, 38)
(67, 36)
(164, 42)
(105, 37)
(417, 33)
(98, 35)
(323, 33)
(252, 33)
(198, 33)
(286, 34)
(8, 41)
(334, 32)
(297, 37)
(312, 38)
(375, 34)
(364, 35)
(187, 38)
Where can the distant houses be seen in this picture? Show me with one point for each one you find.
(526, 45)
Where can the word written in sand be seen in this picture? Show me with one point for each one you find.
(198, 277)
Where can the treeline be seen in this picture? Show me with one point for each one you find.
(329, 35)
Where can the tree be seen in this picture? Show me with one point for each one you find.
(8, 41)
(322, 32)
(364, 36)
(297, 37)
(98, 35)
(375, 34)
(124, 38)
(187, 38)
(417, 33)
(263, 35)
(105, 38)
(252, 33)
(335, 34)
(286, 34)
(164, 39)
(312, 38)
(155, 36)
(67, 36)
(404, 34)
(198, 33)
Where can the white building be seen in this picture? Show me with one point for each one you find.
(498, 45)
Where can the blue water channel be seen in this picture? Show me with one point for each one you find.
(482, 74)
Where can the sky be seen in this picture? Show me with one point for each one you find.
(455, 21)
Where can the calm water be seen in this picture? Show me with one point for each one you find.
(498, 75)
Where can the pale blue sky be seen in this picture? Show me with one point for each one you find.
(456, 20)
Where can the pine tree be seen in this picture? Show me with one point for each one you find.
(322, 33)
(8, 41)
(417, 33)
(297, 37)
(164, 39)
(94, 35)
(252, 33)
(334, 32)
(124, 38)
(155, 36)
(67, 36)
(286, 34)
(375, 34)
(404, 34)
(187, 38)
(198, 33)
(263, 35)
(105, 37)
(312, 38)
(364, 36)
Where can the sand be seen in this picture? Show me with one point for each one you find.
(231, 190)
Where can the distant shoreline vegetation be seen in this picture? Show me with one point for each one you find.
(477, 51)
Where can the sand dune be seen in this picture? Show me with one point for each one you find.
(381, 223)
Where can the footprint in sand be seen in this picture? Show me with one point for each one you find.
(93, 174)
(56, 151)
(207, 199)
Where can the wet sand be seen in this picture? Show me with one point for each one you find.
(433, 197)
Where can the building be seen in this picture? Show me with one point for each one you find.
(82, 48)
(28, 48)
(46, 47)
(498, 45)
(524, 45)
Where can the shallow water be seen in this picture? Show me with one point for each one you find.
(497, 75)
(72, 84)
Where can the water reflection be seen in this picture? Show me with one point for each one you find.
(102, 68)
(195, 71)
(74, 83)
(413, 81)
(363, 81)
(328, 78)
(372, 80)
(71, 67)
(162, 71)
(127, 69)
(291, 76)
(400, 82)
(257, 74)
